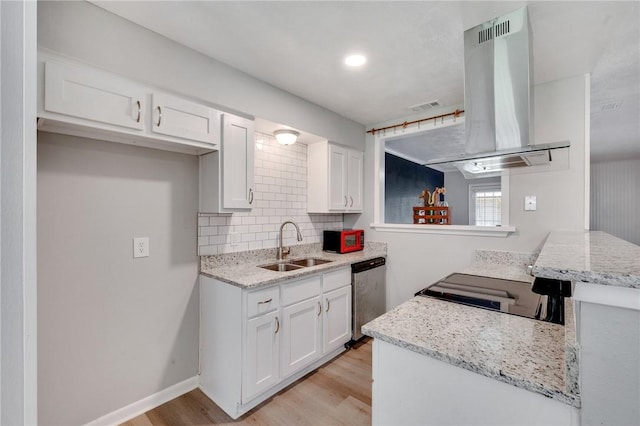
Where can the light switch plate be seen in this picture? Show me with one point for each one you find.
(141, 247)
(529, 202)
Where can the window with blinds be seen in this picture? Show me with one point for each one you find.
(485, 205)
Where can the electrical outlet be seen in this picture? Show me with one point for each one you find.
(530, 203)
(141, 247)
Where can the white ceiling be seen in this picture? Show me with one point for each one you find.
(414, 51)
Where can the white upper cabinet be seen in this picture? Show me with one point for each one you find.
(238, 162)
(92, 95)
(76, 99)
(355, 173)
(226, 176)
(173, 116)
(335, 181)
(337, 178)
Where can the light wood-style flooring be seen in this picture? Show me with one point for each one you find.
(339, 393)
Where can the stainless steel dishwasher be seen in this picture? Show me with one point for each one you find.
(369, 293)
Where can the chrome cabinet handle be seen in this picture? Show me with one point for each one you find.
(159, 115)
(346, 201)
(328, 305)
(351, 201)
(250, 196)
(277, 325)
(319, 308)
(139, 111)
(265, 301)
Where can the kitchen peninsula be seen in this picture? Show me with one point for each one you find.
(606, 273)
(453, 364)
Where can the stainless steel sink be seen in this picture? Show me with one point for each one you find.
(281, 267)
(310, 261)
(292, 265)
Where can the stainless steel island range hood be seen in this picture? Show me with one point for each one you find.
(498, 75)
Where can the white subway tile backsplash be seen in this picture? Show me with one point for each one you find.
(249, 220)
(280, 176)
(208, 230)
(208, 250)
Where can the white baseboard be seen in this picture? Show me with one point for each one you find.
(145, 404)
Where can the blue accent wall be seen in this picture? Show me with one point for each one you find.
(404, 181)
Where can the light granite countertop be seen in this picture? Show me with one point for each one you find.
(589, 256)
(519, 351)
(242, 269)
(538, 356)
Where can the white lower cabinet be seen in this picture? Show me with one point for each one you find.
(301, 332)
(262, 368)
(336, 318)
(254, 343)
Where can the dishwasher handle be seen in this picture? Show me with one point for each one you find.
(367, 264)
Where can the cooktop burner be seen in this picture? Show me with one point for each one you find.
(543, 300)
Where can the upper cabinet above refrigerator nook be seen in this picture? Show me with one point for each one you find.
(173, 116)
(76, 99)
(335, 182)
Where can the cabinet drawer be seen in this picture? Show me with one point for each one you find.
(336, 279)
(263, 301)
(300, 290)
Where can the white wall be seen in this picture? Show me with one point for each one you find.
(18, 357)
(416, 260)
(615, 198)
(113, 329)
(89, 33)
(280, 194)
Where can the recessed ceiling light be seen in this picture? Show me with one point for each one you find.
(355, 60)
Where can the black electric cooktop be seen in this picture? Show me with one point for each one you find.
(541, 300)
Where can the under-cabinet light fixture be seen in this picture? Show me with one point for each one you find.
(286, 136)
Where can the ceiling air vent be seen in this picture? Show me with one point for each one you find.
(425, 106)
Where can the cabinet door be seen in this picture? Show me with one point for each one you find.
(237, 162)
(354, 180)
(336, 319)
(262, 355)
(301, 342)
(184, 119)
(338, 199)
(93, 95)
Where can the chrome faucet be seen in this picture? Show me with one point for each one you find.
(282, 252)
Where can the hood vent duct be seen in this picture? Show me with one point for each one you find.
(486, 34)
(498, 101)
